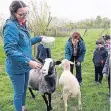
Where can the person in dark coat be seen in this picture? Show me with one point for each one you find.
(106, 69)
(43, 53)
(75, 51)
(99, 58)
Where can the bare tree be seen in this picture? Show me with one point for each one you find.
(39, 18)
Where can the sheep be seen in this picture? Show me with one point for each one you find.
(69, 84)
(44, 80)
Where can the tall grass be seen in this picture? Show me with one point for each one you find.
(94, 97)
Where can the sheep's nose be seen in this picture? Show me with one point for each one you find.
(43, 69)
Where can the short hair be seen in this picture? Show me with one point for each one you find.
(76, 35)
(100, 42)
(15, 5)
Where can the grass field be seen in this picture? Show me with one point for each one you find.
(94, 97)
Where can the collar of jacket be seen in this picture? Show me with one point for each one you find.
(24, 28)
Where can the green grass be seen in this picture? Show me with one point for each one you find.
(94, 98)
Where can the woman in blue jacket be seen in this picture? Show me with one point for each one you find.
(75, 51)
(18, 50)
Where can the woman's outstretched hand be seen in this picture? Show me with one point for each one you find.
(34, 64)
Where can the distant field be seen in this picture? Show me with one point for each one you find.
(94, 98)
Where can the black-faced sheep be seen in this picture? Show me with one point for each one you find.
(69, 84)
(44, 80)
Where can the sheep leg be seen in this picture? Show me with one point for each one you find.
(61, 92)
(46, 102)
(79, 101)
(49, 97)
(65, 97)
(31, 92)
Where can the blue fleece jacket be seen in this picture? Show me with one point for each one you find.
(17, 47)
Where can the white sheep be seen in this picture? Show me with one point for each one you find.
(69, 84)
(44, 80)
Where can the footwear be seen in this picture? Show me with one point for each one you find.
(25, 110)
(97, 83)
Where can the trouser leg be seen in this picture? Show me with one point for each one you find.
(18, 85)
(100, 74)
(72, 65)
(78, 73)
(109, 84)
(96, 74)
(25, 88)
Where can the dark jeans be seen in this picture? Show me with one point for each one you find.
(78, 69)
(98, 73)
(109, 84)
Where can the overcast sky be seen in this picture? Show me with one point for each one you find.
(70, 9)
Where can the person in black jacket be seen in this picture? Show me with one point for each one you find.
(43, 53)
(99, 58)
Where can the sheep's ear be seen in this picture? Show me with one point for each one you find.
(71, 62)
(42, 61)
(60, 65)
(57, 62)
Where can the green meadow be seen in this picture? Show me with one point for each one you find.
(94, 97)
